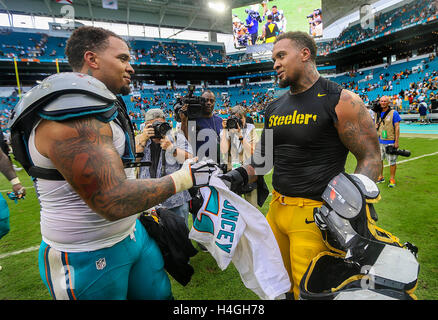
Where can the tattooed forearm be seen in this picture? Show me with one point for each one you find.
(133, 196)
(90, 163)
(357, 132)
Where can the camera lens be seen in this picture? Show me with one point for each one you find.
(163, 128)
(231, 123)
(160, 129)
(404, 153)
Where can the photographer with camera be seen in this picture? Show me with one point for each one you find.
(166, 153)
(198, 120)
(206, 119)
(387, 123)
(237, 144)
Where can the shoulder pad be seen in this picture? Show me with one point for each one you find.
(343, 196)
(65, 91)
(367, 186)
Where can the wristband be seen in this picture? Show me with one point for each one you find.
(15, 181)
(182, 179)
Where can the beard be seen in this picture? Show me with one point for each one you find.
(207, 110)
(125, 90)
(284, 83)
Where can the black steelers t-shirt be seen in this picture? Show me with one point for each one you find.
(307, 151)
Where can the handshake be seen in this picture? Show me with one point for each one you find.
(198, 174)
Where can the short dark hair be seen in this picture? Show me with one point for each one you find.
(302, 39)
(209, 91)
(84, 39)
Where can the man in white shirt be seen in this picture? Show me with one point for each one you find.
(237, 145)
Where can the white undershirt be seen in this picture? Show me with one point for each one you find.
(67, 223)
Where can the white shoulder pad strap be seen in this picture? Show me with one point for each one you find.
(64, 91)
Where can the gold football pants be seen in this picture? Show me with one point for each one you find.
(298, 237)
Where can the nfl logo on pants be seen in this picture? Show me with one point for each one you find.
(100, 264)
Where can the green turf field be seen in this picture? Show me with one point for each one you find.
(409, 211)
(295, 12)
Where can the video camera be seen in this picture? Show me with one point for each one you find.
(376, 107)
(399, 152)
(232, 122)
(195, 105)
(160, 129)
(254, 15)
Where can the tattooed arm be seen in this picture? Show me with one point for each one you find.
(83, 152)
(358, 133)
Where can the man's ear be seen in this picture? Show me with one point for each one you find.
(91, 60)
(305, 54)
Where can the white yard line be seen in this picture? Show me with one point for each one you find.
(7, 255)
(34, 248)
(415, 158)
(7, 190)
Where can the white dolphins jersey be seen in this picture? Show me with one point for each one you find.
(233, 230)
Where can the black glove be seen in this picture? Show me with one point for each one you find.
(235, 179)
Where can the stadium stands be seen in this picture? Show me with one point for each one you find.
(413, 77)
(41, 46)
(409, 77)
(252, 96)
(405, 78)
(408, 15)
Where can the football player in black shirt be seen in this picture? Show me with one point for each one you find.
(315, 125)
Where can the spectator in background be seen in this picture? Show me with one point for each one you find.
(209, 121)
(166, 154)
(388, 129)
(398, 103)
(206, 130)
(433, 102)
(422, 110)
(270, 31)
(237, 145)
